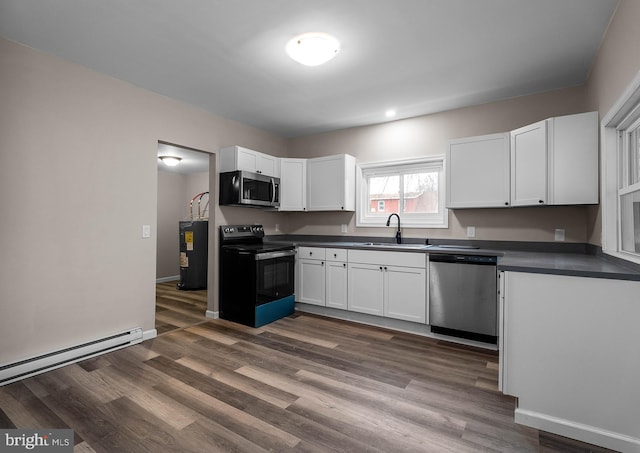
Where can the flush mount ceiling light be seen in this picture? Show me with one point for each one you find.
(313, 49)
(170, 161)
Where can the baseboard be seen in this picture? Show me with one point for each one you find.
(52, 360)
(415, 328)
(212, 314)
(149, 334)
(573, 430)
(168, 279)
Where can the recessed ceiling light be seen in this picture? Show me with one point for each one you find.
(313, 49)
(390, 113)
(170, 161)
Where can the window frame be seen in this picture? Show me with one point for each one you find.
(614, 128)
(365, 219)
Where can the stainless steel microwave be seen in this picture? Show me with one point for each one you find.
(243, 188)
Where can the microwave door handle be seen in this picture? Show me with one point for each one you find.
(273, 190)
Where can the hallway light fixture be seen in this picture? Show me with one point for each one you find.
(170, 161)
(313, 49)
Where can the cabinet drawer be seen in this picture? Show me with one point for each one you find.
(336, 254)
(408, 259)
(311, 253)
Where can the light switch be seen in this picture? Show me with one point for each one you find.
(146, 231)
(343, 228)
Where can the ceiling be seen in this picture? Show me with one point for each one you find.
(227, 56)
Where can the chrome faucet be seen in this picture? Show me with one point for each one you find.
(398, 234)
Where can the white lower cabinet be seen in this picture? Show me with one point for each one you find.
(366, 288)
(336, 278)
(322, 277)
(391, 284)
(310, 281)
(405, 293)
(570, 355)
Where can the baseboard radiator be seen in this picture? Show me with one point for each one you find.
(50, 361)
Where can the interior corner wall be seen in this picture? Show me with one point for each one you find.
(78, 180)
(615, 66)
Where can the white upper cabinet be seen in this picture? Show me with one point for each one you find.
(293, 184)
(573, 159)
(331, 183)
(529, 165)
(477, 170)
(555, 161)
(238, 158)
(551, 162)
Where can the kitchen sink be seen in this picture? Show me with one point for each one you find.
(393, 245)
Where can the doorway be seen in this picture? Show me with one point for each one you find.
(182, 196)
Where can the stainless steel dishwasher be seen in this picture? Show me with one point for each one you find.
(463, 300)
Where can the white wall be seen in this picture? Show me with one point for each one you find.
(78, 179)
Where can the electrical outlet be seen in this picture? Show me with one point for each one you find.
(559, 234)
(471, 231)
(343, 227)
(146, 231)
(277, 227)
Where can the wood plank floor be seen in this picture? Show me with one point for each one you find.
(177, 309)
(301, 384)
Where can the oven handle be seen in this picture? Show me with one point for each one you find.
(271, 255)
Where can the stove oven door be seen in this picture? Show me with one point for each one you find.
(274, 275)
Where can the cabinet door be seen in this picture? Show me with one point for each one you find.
(573, 159)
(331, 183)
(405, 293)
(478, 172)
(267, 165)
(311, 282)
(336, 284)
(293, 184)
(529, 165)
(246, 159)
(365, 288)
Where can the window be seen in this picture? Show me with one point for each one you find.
(621, 177)
(629, 189)
(414, 189)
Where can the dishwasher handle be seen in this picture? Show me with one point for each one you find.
(481, 260)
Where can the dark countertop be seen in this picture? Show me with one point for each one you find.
(573, 264)
(574, 260)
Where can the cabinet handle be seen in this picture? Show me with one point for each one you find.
(310, 253)
(380, 268)
(385, 268)
(335, 255)
(506, 203)
(322, 263)
(541, 201)
(344, 264)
